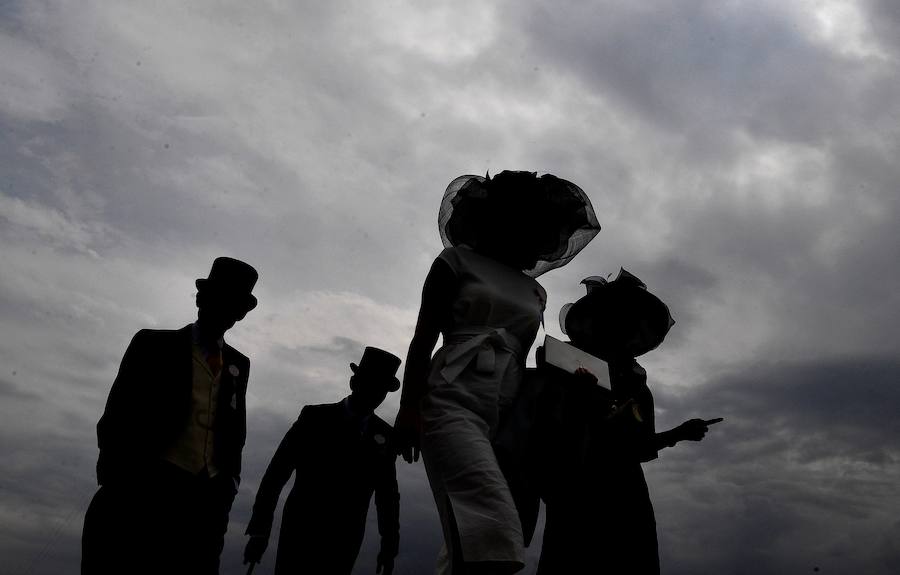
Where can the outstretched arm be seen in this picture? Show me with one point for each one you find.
(277, 474)
(437, 299)
(690, 430)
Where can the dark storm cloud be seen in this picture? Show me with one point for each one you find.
(829, 408)
(808, 454)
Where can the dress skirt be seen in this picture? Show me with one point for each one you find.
(473, 376)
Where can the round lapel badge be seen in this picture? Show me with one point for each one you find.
(233, 370)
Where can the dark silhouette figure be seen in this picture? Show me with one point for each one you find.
(499, 234)
(342, 453)
(584, 452)
(170, 440)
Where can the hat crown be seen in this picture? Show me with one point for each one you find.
(377, 362)
(235, 274)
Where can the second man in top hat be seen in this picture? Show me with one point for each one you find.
(342, 453)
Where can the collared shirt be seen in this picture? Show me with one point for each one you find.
(193, 450)
(204, 347)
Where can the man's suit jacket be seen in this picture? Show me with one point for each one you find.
(338, 467)
(150, 402)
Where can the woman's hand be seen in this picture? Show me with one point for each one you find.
(585, 377)
(695, 429)
(255, 548)
(408, 432)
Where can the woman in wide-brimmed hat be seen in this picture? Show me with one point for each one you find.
(599, 516)
(499, 234)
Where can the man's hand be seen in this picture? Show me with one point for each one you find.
(408, 433)
(255, 548)
(695, 429)
(385, 565)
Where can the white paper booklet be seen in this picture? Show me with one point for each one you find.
(569, 358)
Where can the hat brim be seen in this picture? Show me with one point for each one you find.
(613, 313)
(391, 383)
(561, 211)
(247, 301)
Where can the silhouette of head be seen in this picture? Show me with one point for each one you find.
(617, 319)
(530, 223)
(511, 231)
(373, 378)
(224, 298)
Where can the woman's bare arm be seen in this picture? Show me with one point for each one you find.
(437, 299)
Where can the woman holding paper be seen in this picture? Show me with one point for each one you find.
(598, 509)
(481, 296)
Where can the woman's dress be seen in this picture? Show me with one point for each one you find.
(474, 375)
(599, 518)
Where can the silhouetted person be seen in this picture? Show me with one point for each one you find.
(599, 518)
(341, 453)
(481, 295)
(170, 440)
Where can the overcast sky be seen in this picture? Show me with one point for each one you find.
(741, 157)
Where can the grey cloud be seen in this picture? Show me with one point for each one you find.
(837, 407)
(805, 462)
(701, 69)
(12, 391)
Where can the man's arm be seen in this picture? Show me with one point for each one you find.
(277, 474)
(387, 504)
(122, 412)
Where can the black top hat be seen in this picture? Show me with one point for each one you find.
(616, 315)
(378, 366)
(233, 279)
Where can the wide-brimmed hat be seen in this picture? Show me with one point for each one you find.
(378, 366)
(557, 211)
(617, 313)
(233, 280)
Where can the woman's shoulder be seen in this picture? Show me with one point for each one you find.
(455, 256)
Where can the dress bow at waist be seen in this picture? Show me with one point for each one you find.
(480, 344)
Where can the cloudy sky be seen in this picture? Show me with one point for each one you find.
(741, 157)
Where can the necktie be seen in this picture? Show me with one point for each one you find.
(214, 361)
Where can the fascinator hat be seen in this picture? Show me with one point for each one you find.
(551, 216)
(616, 317)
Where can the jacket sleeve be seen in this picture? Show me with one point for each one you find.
(387, 504)
(277, 474)
(123, 412)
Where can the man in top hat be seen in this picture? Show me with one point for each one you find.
(170, 440)
(342, 452)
